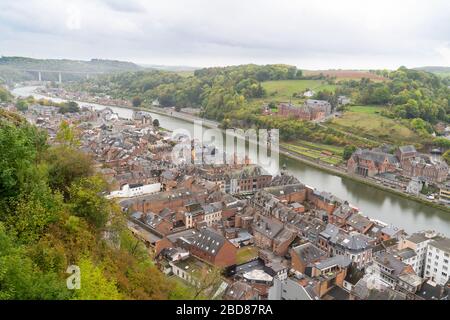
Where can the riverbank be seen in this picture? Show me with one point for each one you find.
(321, 166)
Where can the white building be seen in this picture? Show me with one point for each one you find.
(134, 190)
(437, 261)
(213, 213)
(419, 243)
(309, 94)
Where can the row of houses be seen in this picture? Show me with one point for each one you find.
(406, 162)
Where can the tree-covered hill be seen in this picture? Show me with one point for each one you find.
(218, 90)
(12, 68)
(53, 215)
(409, 93)
(441, 71)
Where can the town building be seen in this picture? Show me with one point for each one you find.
(370, 163)
(288, 289)
(437, 263)
(134, 190)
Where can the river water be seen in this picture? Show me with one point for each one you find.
(375, 203)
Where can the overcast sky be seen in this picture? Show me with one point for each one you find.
(317, 34)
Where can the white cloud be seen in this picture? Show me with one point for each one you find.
(73, 18)
(310, 34)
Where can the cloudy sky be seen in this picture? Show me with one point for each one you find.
(310, 34)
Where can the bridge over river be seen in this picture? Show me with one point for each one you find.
(40, 72)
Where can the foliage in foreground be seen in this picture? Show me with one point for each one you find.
(53, 214)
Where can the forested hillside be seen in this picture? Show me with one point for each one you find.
(217, 90)
(234, 96)
(53, 214)
(12, 69)
(410, 93)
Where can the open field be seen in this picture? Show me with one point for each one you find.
(246, 254)
(365, 121)
(282, 90)
(316, 151)
(345, 74)
(365, 109)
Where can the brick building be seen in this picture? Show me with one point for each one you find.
(370, 163)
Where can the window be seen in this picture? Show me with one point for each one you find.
(444, 274)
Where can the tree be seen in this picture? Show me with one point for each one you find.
(446, 156)
(65, 166)
(4, 95)
(156, 123)
(442, 142)
(348, 151)
(206, 281)
(87, 200)
(22, 105)
(20, 148)
(67, 135)
(136, 101)
(94, 284)
(69, 107)
(20, 279)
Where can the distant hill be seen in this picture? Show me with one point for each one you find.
(345, 74)
(443, 71)
(13, 69)
(170, 68)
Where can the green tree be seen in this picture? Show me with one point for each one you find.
(94, 284)
(67, 135)
(66, 165)
(87, 200)
(136, 101)
(446, 156)
(22, 105)
(348, 151)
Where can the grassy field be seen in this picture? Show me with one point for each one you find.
(316, 151)
(365, 109)
(282, 90)
(246, 254)
(365, 121)
(345, 74)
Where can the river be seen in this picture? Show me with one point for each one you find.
(375, 203)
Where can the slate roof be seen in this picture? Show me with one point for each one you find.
(389, 261)
(406, 253)
(239, 289)
(208, 241)
(269, 227)
(330, 232)
(353, 242)
(408, 148)
(442, 243)
(309, 253)
(375, 156)
(359, 222)
(341, 261)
